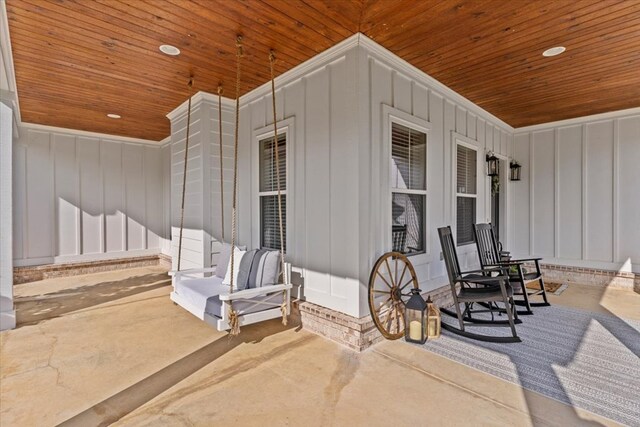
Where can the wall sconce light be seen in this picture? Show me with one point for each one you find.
(493, 164)
(514, 167)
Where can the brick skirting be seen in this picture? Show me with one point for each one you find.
(553, 273)
(48, 271)
(355, 333)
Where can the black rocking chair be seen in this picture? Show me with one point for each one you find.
(490, 256)
(477, 287)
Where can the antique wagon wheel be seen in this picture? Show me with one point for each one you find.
(389, 287)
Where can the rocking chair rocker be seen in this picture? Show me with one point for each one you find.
(477, 287)
(490, 256)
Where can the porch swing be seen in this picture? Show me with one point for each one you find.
(257, 298)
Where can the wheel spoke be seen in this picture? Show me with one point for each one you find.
(406, 284)
(378, 291)
(386, 261)
(395, 276)
(385, 280)
(382, 305)
(404, 270)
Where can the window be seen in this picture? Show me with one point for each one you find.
(467, 159)
(408, 188)
(268, 194)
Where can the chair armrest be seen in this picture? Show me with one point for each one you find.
(254, 292)
(487, 269)
(526, 259)
(484, 280)
(507, 263)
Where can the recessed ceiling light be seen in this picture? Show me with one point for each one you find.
(114, 116)
(169, 50)
(554, 51)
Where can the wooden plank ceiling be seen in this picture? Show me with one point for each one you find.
(77, 60)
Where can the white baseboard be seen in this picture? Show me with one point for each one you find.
(7, 320)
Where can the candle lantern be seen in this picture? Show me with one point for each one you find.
(514, 170)
(433, 320)
(416, 318)
(493, 164)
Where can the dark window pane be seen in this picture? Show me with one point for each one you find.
(270, 231)
(409, 158)
(466, 217)
(268, 161)
(466, 170)
(407, 212)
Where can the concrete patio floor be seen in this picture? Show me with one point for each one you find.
(111, 347)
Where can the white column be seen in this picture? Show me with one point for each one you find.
(7, 312)
(196, 236)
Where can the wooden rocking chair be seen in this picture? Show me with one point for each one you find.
(477, 287)
(490, 256)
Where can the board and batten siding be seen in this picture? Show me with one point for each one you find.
(578, 202)
(332, 109)
(397, 89)
(83, 198)
(318, 111)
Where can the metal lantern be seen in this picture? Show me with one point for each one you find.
(415, 318)
(514, 170)
(433, 320)
(493, 164)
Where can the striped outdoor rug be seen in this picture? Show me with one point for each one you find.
(588, 360)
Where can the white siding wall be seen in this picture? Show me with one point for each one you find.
(579, 200)
(322, 190)
(398, 88)
(196, 236)
(332, 107)
(83, 197)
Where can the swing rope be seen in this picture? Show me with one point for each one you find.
(221, 173)
(234, 323)
(184, 174)
(283, 307)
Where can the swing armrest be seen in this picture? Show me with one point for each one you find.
(176, 273)
(254, 292)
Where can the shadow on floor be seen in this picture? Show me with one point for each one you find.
(35, 309)
(133, 397)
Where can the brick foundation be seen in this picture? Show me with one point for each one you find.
(48, 271)
(355, 333)
(588, 276)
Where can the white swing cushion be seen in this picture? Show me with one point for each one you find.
(202, 295)
(237, 259)
(223, 259)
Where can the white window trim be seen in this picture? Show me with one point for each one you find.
(394, 115)
(473, 145)
(287, 127)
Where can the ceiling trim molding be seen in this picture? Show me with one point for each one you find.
(280, 81)
(166, 141)
(400, 64)
(87, 134)
(198, 99)
(299, 71)
(579, 120)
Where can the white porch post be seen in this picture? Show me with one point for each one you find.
(7, 312)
